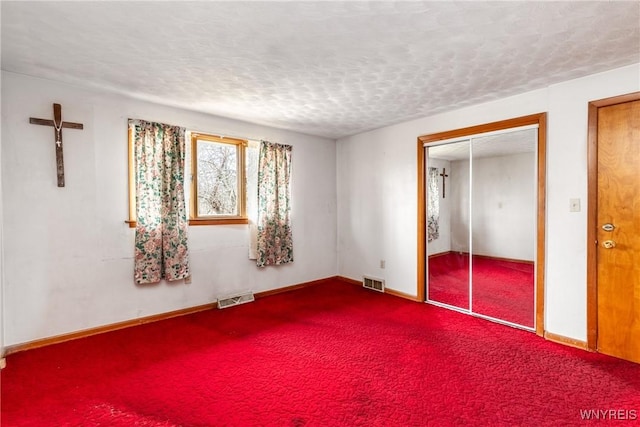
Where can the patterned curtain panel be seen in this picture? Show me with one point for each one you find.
(161, 219)
(275, 242)
(433, 205)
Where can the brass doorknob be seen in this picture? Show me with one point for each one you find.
(608, 244)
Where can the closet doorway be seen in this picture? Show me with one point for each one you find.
(481, 220)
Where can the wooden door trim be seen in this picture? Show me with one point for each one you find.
(592, 211)
(422, 218)
(539, 119)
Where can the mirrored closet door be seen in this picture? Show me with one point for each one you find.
(481, 214)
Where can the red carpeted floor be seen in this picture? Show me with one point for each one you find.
(501, 289)
(329, 355)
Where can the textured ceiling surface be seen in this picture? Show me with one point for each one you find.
(323, 68)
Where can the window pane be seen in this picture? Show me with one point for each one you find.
(217, 179)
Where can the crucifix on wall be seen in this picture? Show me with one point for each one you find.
(57, 124)
(443, 175)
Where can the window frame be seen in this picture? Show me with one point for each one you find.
(241, 217)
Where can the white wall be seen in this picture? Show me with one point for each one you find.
(503, 207)
(1, 253)
(460, 199)
(377, 217)
(69, 254)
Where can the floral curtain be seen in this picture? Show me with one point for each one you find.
(161, 219)
(433, 205)
(275, 241)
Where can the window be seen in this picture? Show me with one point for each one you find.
(218, 184)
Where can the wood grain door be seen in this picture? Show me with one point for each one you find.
(618, 230)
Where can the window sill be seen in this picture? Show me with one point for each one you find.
(218, 221)
(222, 221)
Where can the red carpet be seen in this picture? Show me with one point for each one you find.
(501, 289)
(329, 355)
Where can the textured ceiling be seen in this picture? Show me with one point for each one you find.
(323, 68)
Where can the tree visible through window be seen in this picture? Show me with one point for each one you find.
(219, 183)
(217, 179)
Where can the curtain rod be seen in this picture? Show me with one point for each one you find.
(218, 134)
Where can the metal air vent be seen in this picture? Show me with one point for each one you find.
(372, 283)
(235, 300)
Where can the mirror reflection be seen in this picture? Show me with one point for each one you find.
(481, 225)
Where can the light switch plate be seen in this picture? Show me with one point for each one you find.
(574, 205)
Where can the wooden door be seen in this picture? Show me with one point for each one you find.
(618, 230)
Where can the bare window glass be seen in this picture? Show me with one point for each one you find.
(217, 179)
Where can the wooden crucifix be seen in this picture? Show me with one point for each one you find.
(443, 175)
(57, 124)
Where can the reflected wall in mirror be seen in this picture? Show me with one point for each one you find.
(448, 224)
